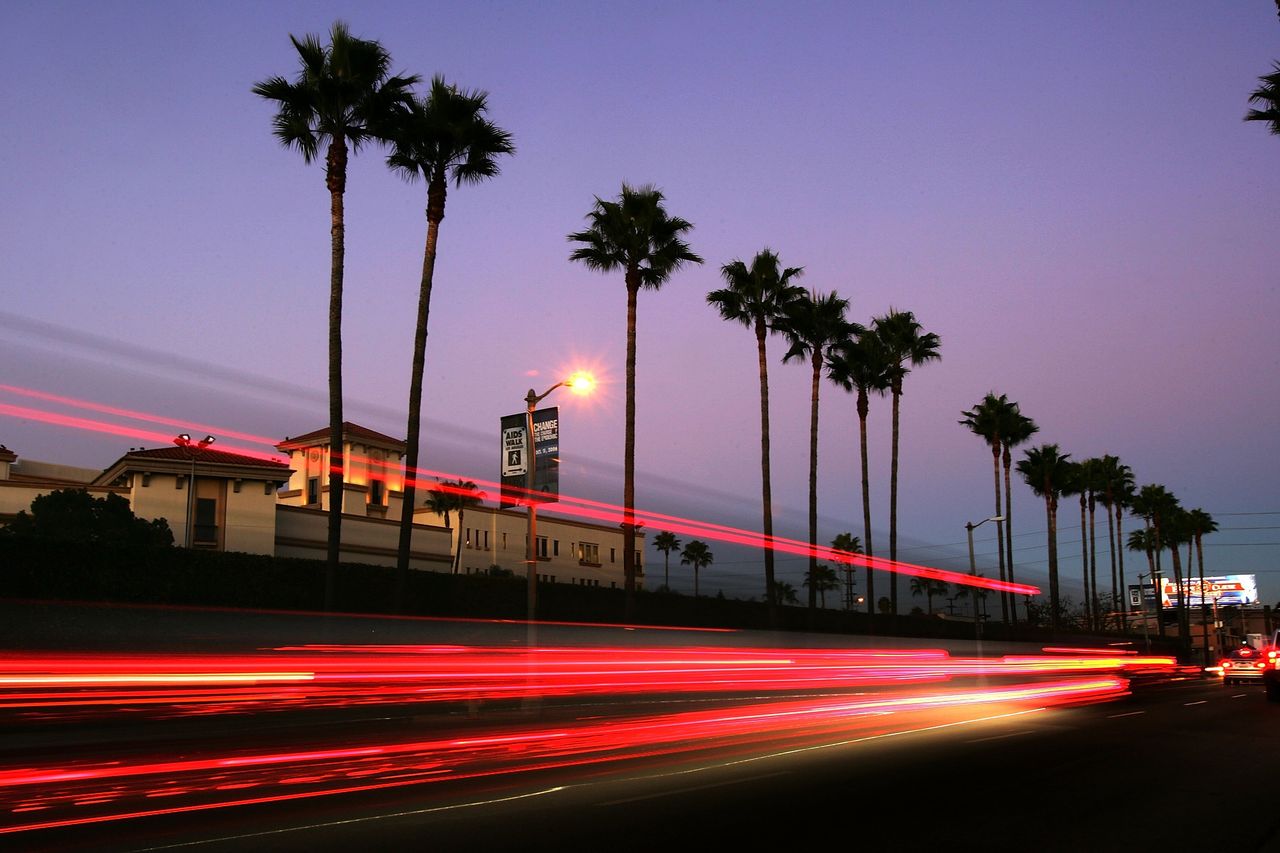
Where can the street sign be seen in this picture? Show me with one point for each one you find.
(546, 471)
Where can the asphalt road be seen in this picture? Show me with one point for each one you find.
(1184, 766)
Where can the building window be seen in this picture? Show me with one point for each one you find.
(206, 526)
(504, 540)
(589, 552)
(542, 547)
(235, 486)
(313, 490)
(268, 488)
(555, 547)
(612, 555)
(486, 540)
(376, 489)
(146, 480)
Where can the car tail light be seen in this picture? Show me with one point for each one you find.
(1226, 664)
(1261, 665)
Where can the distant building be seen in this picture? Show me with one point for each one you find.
(267, 506)
(569, 551)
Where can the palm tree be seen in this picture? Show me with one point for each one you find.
(1267, 96)
(823, 579)
(444, 135)
(344, 95)
(907, 346)
(1107, 471)
(1200, 524)
(928, 587)
(633, 234)
(860, 364)
(698, 555)
(814, 325)
(1175, 533)
(1123, 491)
(1155, 503)
(983, 420)
(451, 496)
(757, 296)
(666, 542)
(1015, 429)
(1045, 469)
(847, 544)
(785, 593)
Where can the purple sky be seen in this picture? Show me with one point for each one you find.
(1064, 192)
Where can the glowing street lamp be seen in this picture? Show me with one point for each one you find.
(969, 526)
(580, 383)
(184, 441)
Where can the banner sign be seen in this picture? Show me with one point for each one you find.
(546, 443)
(1226, 589)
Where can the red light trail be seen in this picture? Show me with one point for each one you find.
(752, 694)
(569, 505)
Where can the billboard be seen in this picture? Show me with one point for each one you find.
(1226, 589)
(515, 470)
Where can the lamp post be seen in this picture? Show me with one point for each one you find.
(184, 441)
(580, 383)
(969, 527)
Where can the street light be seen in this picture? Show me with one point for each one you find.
(969, 527)
(580, 383)
(184, 441)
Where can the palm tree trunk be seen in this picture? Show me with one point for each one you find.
(1051, 520)
(1096, 603)
(1084, 558)
(695, 580)
(1124, 604)
(813, 480)
(435, 214)
(1153, 557)
(336, 179)
(666, 569)
(1111, 549)
(766, 487)
(1008, 533)
(1183, 631)
(629, 452)
(457, 552)
(1204, 601)
(893, 503)
(868, 550)
(995, 471)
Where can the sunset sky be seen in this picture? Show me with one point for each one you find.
(1066, 193)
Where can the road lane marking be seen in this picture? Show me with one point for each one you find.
(1129, 714)
(1239, 695)
(658, 794)
(1189, 704)
(999, 737)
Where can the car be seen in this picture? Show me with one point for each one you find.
(1245, 664)
(1271, 673)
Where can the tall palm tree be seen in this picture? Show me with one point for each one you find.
(633, 234)
(860, 364)
(698, 555)
(444, 135)
(823, 579)
(1107, 472)
(1267, 97)
(344, 96)
(928, 587)
(1155, 503)
(1045, 470)
(814, 325)
(666, 542)
(1123, 491)
(847, 543)
(1201, 524)
(983, 420)
(1015, 430)
(1176, 533)
(907, 345)
(757, 296)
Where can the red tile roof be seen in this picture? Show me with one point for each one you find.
(206, 454)
(350, 432)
